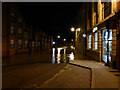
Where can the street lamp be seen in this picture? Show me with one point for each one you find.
(72, 29)
(76, 34)
(53, 42)
(72, 40)
(58, 36)
(64, 39)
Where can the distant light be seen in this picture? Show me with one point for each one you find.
(84, 35)
(58, 36)
(53, 42)
(78, 29)
(71, 39)
(72, 29)
(64, 39)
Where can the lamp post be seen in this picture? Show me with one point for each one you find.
(76, 35)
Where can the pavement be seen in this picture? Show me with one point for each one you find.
(102, 76)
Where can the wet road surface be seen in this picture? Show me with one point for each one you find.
(36, 76)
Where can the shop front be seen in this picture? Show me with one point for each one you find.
(106, 45)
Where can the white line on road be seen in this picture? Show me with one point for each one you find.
(61, 71)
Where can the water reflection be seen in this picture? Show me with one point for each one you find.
(71, 56)
(53, 55)
(61, 58)
(58, 58)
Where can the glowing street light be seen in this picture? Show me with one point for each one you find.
(71, 39)
(53, 42)
(72, 29)
(76, 34)
(64, 39)
(84, 35)
(58, 36)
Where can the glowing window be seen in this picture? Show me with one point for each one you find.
(11, 44)
(96, 40)
(89, 41)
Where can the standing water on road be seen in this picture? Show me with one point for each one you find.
(60, 57)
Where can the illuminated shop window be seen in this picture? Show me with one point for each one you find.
(26, 44)
(96, 40)
(11, 44)
(19, 44)
(89, 41)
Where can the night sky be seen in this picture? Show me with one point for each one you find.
(54, 18)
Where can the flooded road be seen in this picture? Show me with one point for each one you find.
(58, 57)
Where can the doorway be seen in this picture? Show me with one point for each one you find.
(106, 45)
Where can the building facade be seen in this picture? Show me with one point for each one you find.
(17, 38)
(101, 31)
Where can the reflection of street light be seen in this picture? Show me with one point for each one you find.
(78, 29)
(58, 36)
(64, 39)
(76, 34)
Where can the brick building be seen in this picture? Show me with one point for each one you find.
(101, 31)
(17, 38)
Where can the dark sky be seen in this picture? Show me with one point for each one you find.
(55, 18)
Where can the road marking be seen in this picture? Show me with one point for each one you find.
(61, 71)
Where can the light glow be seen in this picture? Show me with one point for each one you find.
(53, 55)
(72, 29)
(71, 56)
(53, 42)
(84, 35)
(64, 39)
(78, 29)
(58, 36)
(95, 29)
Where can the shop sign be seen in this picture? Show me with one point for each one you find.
(95, 29)
(111, 24)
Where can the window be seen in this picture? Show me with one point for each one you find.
(89, 41)
(33, 44)
(96, 11)
(96, 40)
(20, 24)
(20, 31)
(19, 44)
(11, 44)
(12, 30)
(12, 17)
(107, 9)
(26, 44)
